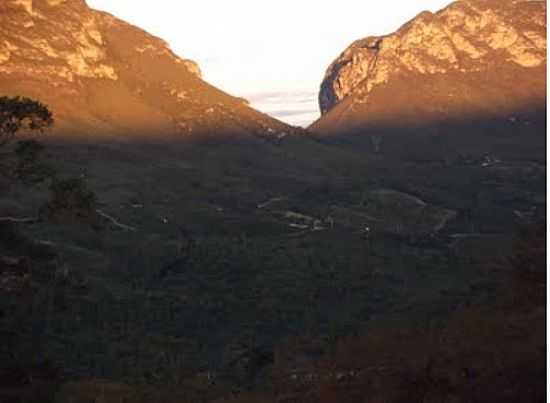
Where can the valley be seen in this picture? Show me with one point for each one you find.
(231, 257)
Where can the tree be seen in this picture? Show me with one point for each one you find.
(28, 165)
(70, 198)
(19, 114)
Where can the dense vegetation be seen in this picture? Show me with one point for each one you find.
(245, 295)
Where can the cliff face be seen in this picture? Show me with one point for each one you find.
(63, 39)
(469, 37)
(99, 74)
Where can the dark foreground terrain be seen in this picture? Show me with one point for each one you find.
(220, 267)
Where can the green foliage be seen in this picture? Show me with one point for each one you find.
(166, 309)
(29, 166)
(23, 162)
(29, 150)
(27, 279)
(529, 264)
(70, 198)
(18, 114)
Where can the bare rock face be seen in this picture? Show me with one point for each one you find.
(193, 67)
(100, 75)
(469, 36)
(65, 38)
(58, 51)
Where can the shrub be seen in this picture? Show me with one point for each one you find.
(29, 150)
(71, 198)
(529, 264)
(18, 114)
(28, 165)
(23, 114)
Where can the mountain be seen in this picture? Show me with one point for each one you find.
(190, 248)
(100, 75)
(475, 59)
(450, 108)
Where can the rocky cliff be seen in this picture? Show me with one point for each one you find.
(101, 75)
(470, 41)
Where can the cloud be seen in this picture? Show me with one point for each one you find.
(288, 113)
(266, 51)
(283, 96)
(298, 108)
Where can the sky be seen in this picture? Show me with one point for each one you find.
(272, 52)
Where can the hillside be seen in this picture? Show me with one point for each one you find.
(475, 59)
(224, 256)
(102, 76)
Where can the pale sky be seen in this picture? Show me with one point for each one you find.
(272, 52)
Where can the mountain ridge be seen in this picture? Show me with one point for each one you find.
(102, 75)
(472, 41)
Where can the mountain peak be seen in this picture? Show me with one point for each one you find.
(100, 74)
(33, 7)
(467, 36)
(67, 41)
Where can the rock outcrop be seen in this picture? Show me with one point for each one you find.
(99, 74)
(469, 36)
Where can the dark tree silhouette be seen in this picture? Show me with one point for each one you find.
(18, 114)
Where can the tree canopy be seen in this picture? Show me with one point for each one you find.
(20, 113)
